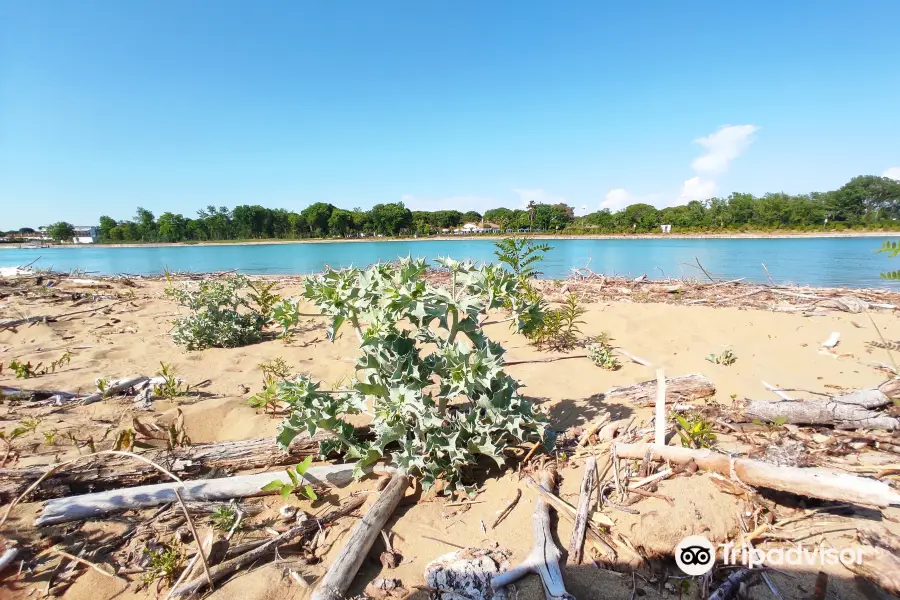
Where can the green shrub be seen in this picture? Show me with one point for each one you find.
(220, 315)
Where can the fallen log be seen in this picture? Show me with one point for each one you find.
(855, 410)
(225, 569)
(116, 387)
(880, 560)
(344, 568)
(188, 463)
(76, 508)
(576, 542)
(684, 388)
(811, 482)
(544, 558)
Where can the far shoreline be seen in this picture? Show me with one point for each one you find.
(489, 237)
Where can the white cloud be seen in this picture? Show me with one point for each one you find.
(722, 147)
(696, 188)
(462, 203)
(893, 173)
(539, 196)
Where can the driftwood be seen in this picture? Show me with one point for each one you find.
(62, 510)
(544, 558)
(855, 410)
(8, 557)
(880, 559)
(342, 571)
(188, 463)
(50, 318)
(811, 482)
(684, 388)
(730, 587)
(306, 527)
(576, 543)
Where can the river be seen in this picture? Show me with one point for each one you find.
(848, 261)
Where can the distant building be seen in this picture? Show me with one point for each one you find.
(86, 234)
(665, 228)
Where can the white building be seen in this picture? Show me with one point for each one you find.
(85, 234)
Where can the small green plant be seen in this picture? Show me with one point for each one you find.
(49, 437)
(267, 399)
(103, 386)
(224, 517)
(171, 386)
(26, 370)
(695, 431)
(559, 329)
(165, 564)
(521, 255)
(286, 314)
(298, 481)
(892, 249)
(726, 358)
(601, 354)
(275, 370)
(262, 296)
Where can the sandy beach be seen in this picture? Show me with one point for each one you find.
(131, 337)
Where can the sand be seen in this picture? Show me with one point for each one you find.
(133, 338)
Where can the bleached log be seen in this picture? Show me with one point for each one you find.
(8, 557)
(855, 410)
(576, 542)
(684, 388)
(342, 571)
(117, 387)
(89, 506)
(544, 558)
(811, 482)
(188, 462)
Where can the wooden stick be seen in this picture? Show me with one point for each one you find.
(508, 508)
(8, 557)
(118, 387)
(660, 419)
(509, 363)
(342, 571)
(28, 320)
(855, 410)
(812, 482)
(567, 511)
(576, 542)
(595, 426)
(87, 563)
(730, 586)
(880, 559)
(88, 506)
(190, 523)
(544, 558)
(227, 568)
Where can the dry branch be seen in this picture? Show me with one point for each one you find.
(684, 388)
(880, 560)
(188, 463)
(62, 510)
(227, 568)
(50, 318)
(544, 558)
(342, 571)
(812, 482)
(576, 542)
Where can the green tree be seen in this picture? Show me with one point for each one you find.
(172, 227)
(317, 216)
(61, 231)
(340, 222)
(390, 219)
(146, 225)
(106, 226)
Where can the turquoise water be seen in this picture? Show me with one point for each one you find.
(848, 262)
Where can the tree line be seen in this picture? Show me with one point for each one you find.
(864, 201)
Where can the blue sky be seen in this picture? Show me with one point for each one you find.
(173, 105)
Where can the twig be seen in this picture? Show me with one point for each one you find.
(768, 276)
(576, 542)
(660, 419)
(508, 508)
(87, 563)
(884, 343)
(17, 322)
(509, 363)
(730, 586)
(190, 523)
(704, 270)
(641, 492)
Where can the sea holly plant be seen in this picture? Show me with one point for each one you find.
(428, 375)
(298, 482)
